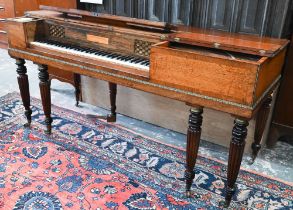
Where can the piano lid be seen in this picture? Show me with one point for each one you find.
(56, 12)
(243, 43)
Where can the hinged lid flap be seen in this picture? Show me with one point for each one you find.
(249, 44)
(55, 12)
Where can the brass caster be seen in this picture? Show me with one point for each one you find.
(27, 125)
(224, 204)
(111, 118)
(188, 194)
(48, 132)
(251, 159)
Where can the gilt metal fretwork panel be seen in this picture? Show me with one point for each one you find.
(56, 31)
(142, 48)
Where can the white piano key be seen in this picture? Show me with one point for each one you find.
(90, 55)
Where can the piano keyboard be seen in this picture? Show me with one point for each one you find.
(125, 60)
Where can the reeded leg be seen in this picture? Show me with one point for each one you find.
(113, 92)
(24, 89)
(261, 119)
(237, 144)
(45, 95)
(193, 140)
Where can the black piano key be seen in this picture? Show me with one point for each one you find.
(140, 60)
(98, 52)
(120, 57)
(134, 60)
(70, 45)
(124, 58)
(127, 58)
(77, 49)
(103, 54)
(81, 49)
(89, 52)
(112, 55)
(92, 51)
(144, 62)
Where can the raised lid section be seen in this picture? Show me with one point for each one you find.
(250, 44)
(101, 17)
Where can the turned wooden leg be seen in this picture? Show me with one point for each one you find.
(24, 89)
(113, 92)
(261, 120)
(193, 140)
(77, 88)
(237, 144)
(45, 95)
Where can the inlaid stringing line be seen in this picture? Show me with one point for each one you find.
(154, 84)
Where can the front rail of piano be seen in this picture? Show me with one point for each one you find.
(241, 87)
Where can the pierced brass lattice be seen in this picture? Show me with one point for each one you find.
(142, 48)
(56, 31)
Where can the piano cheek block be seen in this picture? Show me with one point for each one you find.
(240, 80)
(22, 31)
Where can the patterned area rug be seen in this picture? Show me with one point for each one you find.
(89, 164)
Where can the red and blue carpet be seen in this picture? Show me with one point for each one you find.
(89, 164)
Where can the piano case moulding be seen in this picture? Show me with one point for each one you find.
(236, 71)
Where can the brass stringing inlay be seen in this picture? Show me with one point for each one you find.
(243, 106)
(142, 48)
(57, 31)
